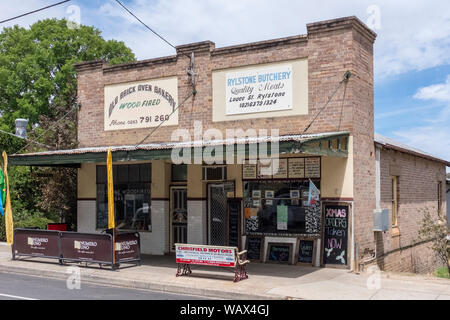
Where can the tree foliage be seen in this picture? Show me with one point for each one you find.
(434, 229)
(38, 82)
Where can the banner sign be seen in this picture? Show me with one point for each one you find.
(86, 247)
(205, 255)
(127, 247)
(36, 243)
(142, 104)
(259, 90)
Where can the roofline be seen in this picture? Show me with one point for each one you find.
(208, 46)
(411, 152)
(162, 151)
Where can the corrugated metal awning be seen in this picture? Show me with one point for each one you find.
(324, 144)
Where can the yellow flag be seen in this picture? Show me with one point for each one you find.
(111, 220)
(8, 210)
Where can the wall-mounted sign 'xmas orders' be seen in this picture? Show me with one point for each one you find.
(143, 104)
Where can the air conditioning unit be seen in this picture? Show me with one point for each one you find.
(381, 220)
(214, 173)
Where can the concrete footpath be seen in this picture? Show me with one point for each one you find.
(266, 281)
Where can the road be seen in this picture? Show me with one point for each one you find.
(20, 287)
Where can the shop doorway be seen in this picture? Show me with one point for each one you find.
(224, 216)
(178, 216)
(217, 207)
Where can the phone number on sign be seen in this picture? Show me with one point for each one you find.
(149, 119)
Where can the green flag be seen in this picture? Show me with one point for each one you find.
(2, 187)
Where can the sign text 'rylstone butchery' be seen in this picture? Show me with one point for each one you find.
(259, 90)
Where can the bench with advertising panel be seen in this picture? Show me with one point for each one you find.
(215, 256)
(73, 247)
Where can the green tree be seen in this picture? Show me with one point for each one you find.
(38, 82)
(434, 229)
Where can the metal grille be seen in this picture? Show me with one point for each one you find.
(218, 214)
(179, 216)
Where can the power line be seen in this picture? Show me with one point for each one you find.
(31, 12)
(154, 32)
(345, 80)
(13, 135)
(193, 93)
(50, 128)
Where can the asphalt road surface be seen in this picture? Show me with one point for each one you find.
(21, 287)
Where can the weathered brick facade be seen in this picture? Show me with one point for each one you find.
(402, 250)
(331, 48)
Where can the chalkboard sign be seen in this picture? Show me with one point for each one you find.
(305, 251)
(336, 235)
(279, 253)
(234, 210)
(254, 247)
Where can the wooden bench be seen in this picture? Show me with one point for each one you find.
(214, 256)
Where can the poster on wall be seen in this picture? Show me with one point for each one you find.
(336, 235)
(282, 218)
(312, 167)
(282, 172)
(249, 171)
(265, 170)
(297, 168)
(259, 90)
(144, 104)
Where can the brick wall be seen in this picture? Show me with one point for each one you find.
(331, 47)
(417, 189)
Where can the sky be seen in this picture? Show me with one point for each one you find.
(411, 53)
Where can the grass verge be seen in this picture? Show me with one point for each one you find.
(443, 273)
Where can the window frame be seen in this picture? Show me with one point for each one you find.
(439, 199)
(395, 199)
(173, 176)
(104, 184)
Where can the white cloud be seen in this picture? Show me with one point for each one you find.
(432, 139)
(434, 134)
(414, 35)
(440, 92)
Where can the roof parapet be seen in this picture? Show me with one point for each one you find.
(341, 23)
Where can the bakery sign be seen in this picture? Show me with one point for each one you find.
(259, 90)
(143, 104)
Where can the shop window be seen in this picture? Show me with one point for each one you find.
(439, 198)
(280, 208)
(132, 197)
(395, 201)
(179, 173)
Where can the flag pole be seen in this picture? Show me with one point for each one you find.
(111, 216)
(9, 224)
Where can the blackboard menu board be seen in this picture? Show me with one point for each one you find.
(336, 235)
(254, 247)
(234, 209)
(305, 251)
(279, 252)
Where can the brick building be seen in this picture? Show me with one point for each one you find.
(309, 99)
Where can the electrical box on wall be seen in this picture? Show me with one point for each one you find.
(381, 220)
